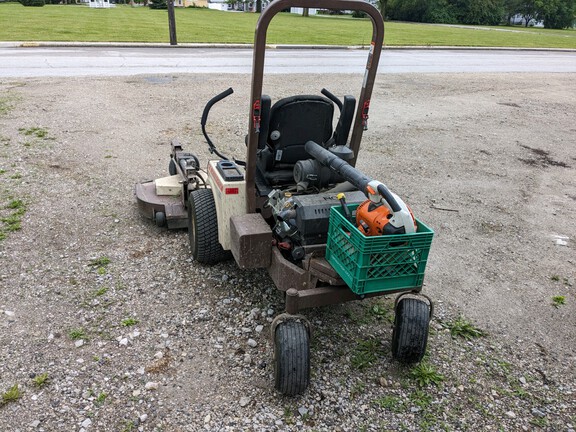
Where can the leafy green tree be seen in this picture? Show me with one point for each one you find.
(530, 10)
(381, 5)
(441, 11)
(557, 14)
(408, 10)
(481, 12)
(511, 8)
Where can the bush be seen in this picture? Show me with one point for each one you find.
(37, 3)
(158, 4)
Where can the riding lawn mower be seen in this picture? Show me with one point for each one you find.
(297, 206)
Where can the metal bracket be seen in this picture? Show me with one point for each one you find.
(416, 294)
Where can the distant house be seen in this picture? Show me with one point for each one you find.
(101, 4)
(519, 19)
(299, 11)
(188, 3)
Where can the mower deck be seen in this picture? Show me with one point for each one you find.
(151, 205)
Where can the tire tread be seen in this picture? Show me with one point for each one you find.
(292, 367)
(204, 243)
(410, 335)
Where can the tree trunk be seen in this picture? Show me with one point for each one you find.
(258, 6)
(305, 12)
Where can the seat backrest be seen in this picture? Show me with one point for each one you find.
(296, 120)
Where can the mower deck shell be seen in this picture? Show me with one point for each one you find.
(149, 203)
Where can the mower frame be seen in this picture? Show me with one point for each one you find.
(233, 218)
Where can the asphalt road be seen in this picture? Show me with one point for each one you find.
(116, 61)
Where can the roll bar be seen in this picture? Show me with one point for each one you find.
(361, 116)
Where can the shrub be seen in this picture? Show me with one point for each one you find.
(37, 3)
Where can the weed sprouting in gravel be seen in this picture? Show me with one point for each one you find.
(357, 389)
(555, 278)
(34, 131)
(76, 334)
(41, 380)
(12, 221)
(101, 398)
(129, 322)
(11, 395)
(463, 328)
(558, 300)
(288, 415)
(366, 353)
(6, 105)
(101, 291)
(393, 404)
(540, 422)
(425, 374)
(100, 264)
(421, 399)
(129, 426)
(381, 312)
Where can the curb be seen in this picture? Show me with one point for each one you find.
(47, 44)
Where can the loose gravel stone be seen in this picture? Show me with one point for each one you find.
(151, 385)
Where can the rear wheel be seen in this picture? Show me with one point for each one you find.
(410, 334)
(291, 358)
(203, 228)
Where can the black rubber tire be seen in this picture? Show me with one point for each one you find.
(203, 228)
(160, 219)
(291, 358)
(410, 334)
(172, 167)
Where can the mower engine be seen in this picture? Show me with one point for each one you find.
(302, 221)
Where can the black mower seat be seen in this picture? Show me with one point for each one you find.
(293, 122)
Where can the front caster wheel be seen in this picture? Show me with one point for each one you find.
(160, 219)
(410, 334)
(291, 358)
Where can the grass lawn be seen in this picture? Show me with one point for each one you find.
(141, 24)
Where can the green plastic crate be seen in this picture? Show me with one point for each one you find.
(378, 263)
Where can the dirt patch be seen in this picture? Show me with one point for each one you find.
(503, 249)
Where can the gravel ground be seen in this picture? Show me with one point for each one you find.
(106, 324)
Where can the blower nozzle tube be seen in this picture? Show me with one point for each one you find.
(358, 179)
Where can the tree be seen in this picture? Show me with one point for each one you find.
(480, 12)
(381, 5)
(441, 11)
(511, 8)
(557, 14)
(529, 11)
(408, 10)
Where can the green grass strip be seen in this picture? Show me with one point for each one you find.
(75, 23)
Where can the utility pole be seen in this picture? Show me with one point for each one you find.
(172, 23)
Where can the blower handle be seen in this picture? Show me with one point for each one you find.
(385, 193)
